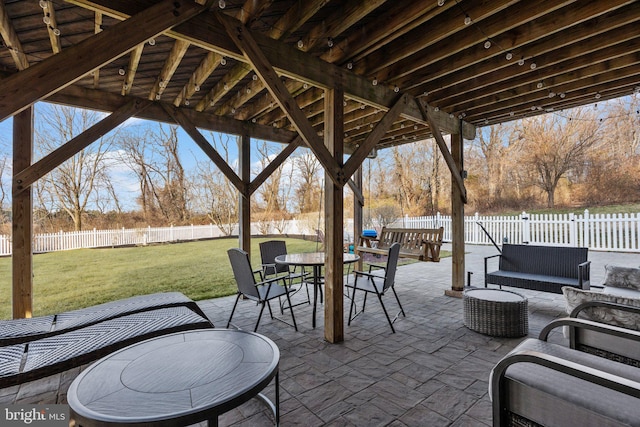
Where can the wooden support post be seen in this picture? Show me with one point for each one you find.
(457, 220)
(22, 223)
(358, 205)
(333, 221)
(244, 210)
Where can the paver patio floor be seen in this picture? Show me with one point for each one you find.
(432, 372)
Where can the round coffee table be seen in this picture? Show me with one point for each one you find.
(176, 380)
(496, 312)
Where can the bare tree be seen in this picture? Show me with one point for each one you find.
(72, 184)
(553, 146)
(215, 195)
(154, 158)
(308, 188)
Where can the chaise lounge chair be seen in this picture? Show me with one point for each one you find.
(92, 333)
(17, 331)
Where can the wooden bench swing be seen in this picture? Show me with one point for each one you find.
(422, 244)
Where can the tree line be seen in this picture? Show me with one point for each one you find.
(580, 157)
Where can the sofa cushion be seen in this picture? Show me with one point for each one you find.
(575, 297)
(622, 277)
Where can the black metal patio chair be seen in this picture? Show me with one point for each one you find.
(261, 292)
(377, 282)
(269, 250)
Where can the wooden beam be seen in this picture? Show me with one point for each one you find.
(244, 210)
(361, 153)
(11, 40)
(132, 68)
(455, 173)
(204, 31)
(97, 28)
(22, 219)
(169, 67)
(274, 164)
(104, 101)
(457, 222)
(209, 150)
(357, 192)
(52, 27)
(471, 65)
(61, 70)
(333, 222)
(27, 176)
(244, 39)
(199, 76)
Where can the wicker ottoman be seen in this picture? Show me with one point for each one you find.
(496, 312)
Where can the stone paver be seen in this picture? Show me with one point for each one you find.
(433, 371)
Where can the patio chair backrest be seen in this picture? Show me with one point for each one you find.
(241, 266)
(269, 250)
(392, 264)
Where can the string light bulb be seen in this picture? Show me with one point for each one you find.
(300, 44)
(197, 88)
(56, 32)
(487, 44)
(349, 65)
(440, 3)
(509, 56)
(330, 42)
(152, 42)
(533, 66)
(223, 61)
(46, 20)
(540, 85)
(521, 61)
(222, 4)
(598, 96)
(254, 77)
(121, 71)
(374, 82)
(467, 20)
(396, 89)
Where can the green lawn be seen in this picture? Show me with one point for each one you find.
(68, 280)
(80, 278)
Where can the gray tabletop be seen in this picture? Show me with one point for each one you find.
(175, 380)
(311, 259)
(315, 260)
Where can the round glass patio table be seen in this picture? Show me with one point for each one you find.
(316, 261)
(176, 380)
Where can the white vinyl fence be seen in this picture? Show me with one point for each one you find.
(605, 232)
(610, 232)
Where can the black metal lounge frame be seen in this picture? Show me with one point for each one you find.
(24, 330)
(540, 383)
(42, 357)
(541, 268)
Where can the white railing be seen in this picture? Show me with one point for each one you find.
(610, 232)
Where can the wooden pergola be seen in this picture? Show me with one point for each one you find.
(342, 77)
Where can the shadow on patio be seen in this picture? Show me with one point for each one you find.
(432, 372)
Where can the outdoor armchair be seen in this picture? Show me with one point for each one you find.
(261, 292)
(378, 283)
(543, 383)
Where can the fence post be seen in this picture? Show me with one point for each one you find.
(587, 229)
(573, 233)
(476, 234)
(526, 229)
